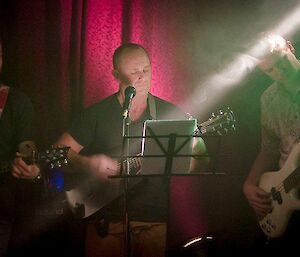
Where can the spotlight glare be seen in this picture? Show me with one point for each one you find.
(216, 86)
(196, 240)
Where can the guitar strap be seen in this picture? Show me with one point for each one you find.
(152, 106)
(3, 97)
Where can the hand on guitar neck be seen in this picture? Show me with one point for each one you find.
(24, 170)
(26, 164)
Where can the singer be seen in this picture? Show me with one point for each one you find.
(95, 138)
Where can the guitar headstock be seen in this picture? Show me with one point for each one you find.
(220, 123)
(54, 157)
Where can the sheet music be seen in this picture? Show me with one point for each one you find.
(183, 130)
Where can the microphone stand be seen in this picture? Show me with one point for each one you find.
(126, 149)
(129, 94)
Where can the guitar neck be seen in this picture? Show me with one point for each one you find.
(52, 157)
(134, 165)
(291, 181)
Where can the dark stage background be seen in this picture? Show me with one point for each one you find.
(59, 54)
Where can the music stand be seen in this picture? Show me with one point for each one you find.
(171, 139)
(170, 144)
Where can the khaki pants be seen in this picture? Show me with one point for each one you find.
(147, 240)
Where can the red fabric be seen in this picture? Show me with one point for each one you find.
(3, 97)
(63, 53)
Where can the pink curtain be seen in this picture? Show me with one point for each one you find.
(63, 52)
(109, 23)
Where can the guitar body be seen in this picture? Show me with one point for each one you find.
(91, 195)
(283, 185)
(88, 195)
(274, 224)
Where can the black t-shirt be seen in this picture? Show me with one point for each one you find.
(15, 127)
(16, 123)
(99, 130)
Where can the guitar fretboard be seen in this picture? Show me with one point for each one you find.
(291, 181)
(134, 165)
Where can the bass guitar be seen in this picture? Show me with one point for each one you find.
(90, 195)
(283, 186)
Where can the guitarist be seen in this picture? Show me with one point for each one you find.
(96, 136)
(280, 121)
(16, 139)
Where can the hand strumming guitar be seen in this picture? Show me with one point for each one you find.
(259, 199)
(102, 166)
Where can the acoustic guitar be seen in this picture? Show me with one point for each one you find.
(91, 195)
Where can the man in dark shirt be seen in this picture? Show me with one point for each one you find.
(95, 137)
(16, 140)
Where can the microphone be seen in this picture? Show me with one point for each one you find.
(129, 94)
